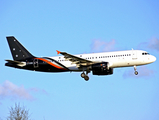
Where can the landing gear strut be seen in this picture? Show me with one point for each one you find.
(136, 73)
(85, 76)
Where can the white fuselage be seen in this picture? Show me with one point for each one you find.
(115, 59)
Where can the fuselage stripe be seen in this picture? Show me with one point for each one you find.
(50, 63)
(57, 62)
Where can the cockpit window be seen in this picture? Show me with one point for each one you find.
(145, 54)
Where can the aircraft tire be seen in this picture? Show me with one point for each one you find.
(136, 73)
(83, 75)
(86, 78)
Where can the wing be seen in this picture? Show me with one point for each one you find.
(76, 60)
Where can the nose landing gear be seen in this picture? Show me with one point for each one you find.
(136, 73)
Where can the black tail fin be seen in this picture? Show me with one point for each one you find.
(18, 51)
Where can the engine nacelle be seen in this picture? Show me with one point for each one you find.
(101, 69)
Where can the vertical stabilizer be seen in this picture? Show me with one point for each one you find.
(18, 51)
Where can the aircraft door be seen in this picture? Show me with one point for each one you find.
(35, 63)
(134, 55)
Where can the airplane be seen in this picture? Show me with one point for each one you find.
(99, 63)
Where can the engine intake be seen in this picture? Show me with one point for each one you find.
(101, 69)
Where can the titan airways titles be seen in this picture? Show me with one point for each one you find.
(99, 63)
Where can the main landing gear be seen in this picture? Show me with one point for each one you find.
(136, 73)
(85, 76)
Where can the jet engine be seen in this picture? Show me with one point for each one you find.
(101, 69)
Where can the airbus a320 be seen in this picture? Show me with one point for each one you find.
(99, 63)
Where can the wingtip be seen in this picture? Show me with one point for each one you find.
(58, 52)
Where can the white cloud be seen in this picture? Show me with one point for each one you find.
(38, 90)
(10, 90)
(152, 44)
(98, 45)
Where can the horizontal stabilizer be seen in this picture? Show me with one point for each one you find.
(12, 61)
(16, 62)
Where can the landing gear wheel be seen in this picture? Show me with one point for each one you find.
(83, 75)
(86, 77)
(136, 73)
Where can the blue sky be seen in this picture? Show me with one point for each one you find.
(81, 27)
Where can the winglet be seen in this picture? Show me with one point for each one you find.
(58, 52)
